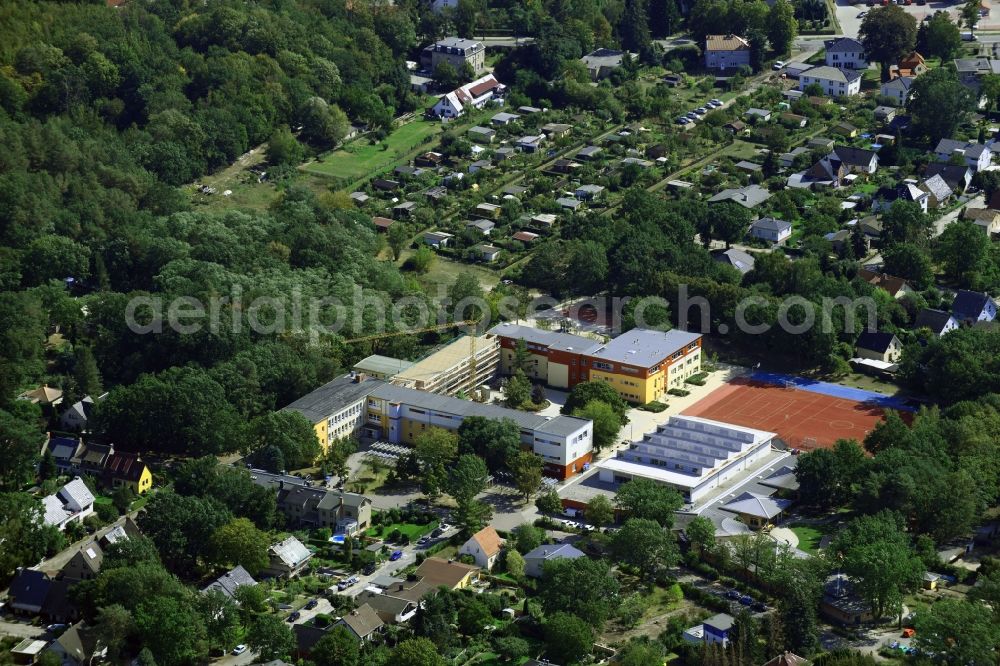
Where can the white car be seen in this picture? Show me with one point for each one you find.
(778, 64)
(239, 649)
(862, 14)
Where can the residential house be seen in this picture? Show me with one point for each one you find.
(92, 459)
(530, 143)
(504, 153)
(363, 623)
(787, 160)
(793, 70)
(845, 53)
(771, 230)
(987, 219)
(315, 506)
(910, 66)
(834, 82)
(749, 167)
(898, 90)
(937, 322)
(714, 630)
(85, 563)
(973, 306)
(435, 572)
(504, 118)
(123, 531)
(78, 646)
(530, 109)
(127, 470)
(738, 259)
(971, 70)
(482, 226)
(726, 52)
(482, 134)
(588, 192)
(958, 177)
(885, 197)
(601, 62)
(588, 152)
(514, 191)
(878, 346)
(871, 227)
(288, 559)
(755, 510)
(820, 143)
(44, 395)
(406, 172)
(855, 160)
(231, 581)
(391, 607)
(437, 239)
(63, 450)
(73, 503)
(976, 155)
(475, 95)
(839, 240)
(750, 196)
(755, 115)
(487, 253)
(455, 51)
(556, 130)
(27, 592)
(436, 194)
(76, 417)
(484, 547)
(896, 287)
(382, 224)
(939, 193)
(638, 161)
(428, 160)
(534, 561)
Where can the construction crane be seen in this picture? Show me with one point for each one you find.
(472, 323)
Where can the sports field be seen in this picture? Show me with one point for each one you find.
(805, 416)
(360, 157)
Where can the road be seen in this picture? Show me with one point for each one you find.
(20, 630)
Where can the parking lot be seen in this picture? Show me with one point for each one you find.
(850, 22)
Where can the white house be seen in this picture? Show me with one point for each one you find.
(976, 155)
(771, 230)
(726, 52)
(938, 322)
(834, 82)
(484, 547)
(845, 53)
(973, 306)
(534, 562)
(475, 94)
(73, 502)
(898, 90)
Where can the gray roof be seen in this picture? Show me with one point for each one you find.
(567, 202)
(971, 148)
(77, 491)
(833, 74)
(558, 425)
(843, 45)
(748, 166)
(482, 225)
(554, 552)
(363, 621)
(954, 174)
(937, 186)
(783, 478)
(878, 341)
(722, 622)
(504, 116)
(456, 43)
(854, 156)
(759, 506)
(386, 365)
(481, 130)
(969, 304)
(748, 197)
(644, 347)
(771, 224)
(291, 552)
(228, 582)
(899, 84)
(591, 189)
(935, 320)
(589, 151)
(332, 396)
(738, 259)
(603, 58)
(550, 339)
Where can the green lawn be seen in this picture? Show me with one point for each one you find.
(360, 158)
(809, 536)
(412, 530)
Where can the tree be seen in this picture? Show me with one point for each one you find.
(887, 434)
(910, 262)
(323, 124)
(599, 511)
(85, 372)
(526, 537)
(113, 627)
(606, 423)
(905, 222)
(515, 564)
(21, 439)
(422, 259)
(568, 638)
(446, 76)
(338, 647)
(182, 527)
(797, 609)
(942, 36)
(283, 149)
(435, 449)
(644, 544)
(416, 652)
(270, 638)
(466, 298)
(957, 632)
(221, 618)
(549, 502)
(939, 102)
(970, 14)
(580, 586)
(516, 390)
(888, 33)
(511, 648)
(527, 470)
(634, 27)
(989, 87)
(586, 392)
(967, 255)
(497, 441)
(642, 498)
(467, 478)
(289, 432)
(336, 456)
(640, 653)
(471, 515)
(700, 532)
(782, 27)
(240, 542)
(883, 571)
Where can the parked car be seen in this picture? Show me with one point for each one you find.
(746, 600)
(346, 583)
(683, 120)
(862, 14)
(294, 616)
(423, 540)
(759, 606)
(56, 627)
(733, 594)
(370, 568)
(778, 64)
(312, 603)
(717, 102)
(239, 649)
(396, 554)
(701, 110)
(438, 532)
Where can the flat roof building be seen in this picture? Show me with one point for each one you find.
(381, 367)
(462, 365)
(336, 409)
(641, 364)
(690, 454)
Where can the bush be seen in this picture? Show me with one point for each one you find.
(653, 406)
(679, 392)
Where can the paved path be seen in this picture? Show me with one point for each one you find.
(20, 630)
(785, 535)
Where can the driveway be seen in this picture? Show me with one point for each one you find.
(20, 629)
